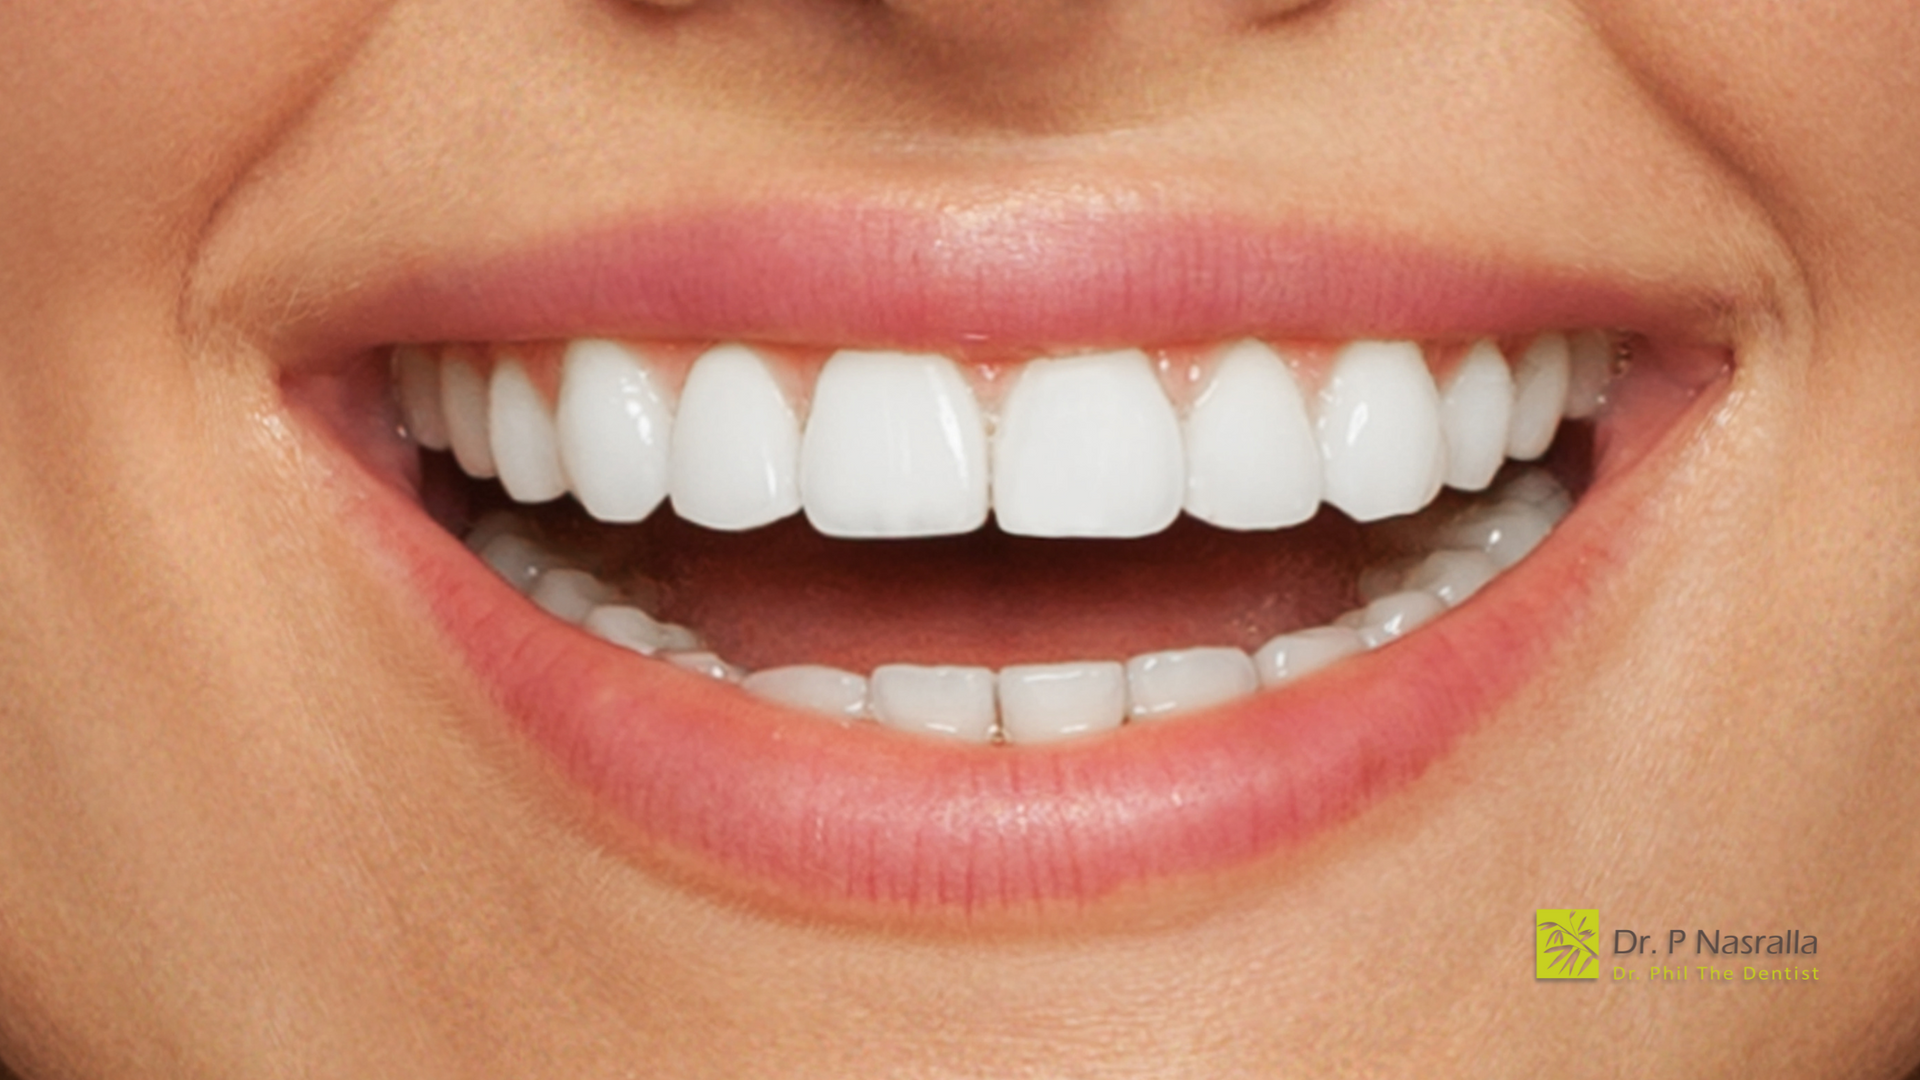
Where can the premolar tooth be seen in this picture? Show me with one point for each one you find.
(1452, 576)
(1047, 702)
(1303, 652)
(615, 425)
(1088, 446)
(1252, 462)
(952, 701)
(1506, 532)
(1591, 364)
(895, 446)
(518, 560)
(521, 431)
(417, 378)
(812, 687)
(631, 628)
(1167, 683)
(1476, 411)
(1393, 616)
(1379, 431)
(569, 595)
(736, 444)
(701, 662)
(1537, 488)
(463, 402)
(1539, 396)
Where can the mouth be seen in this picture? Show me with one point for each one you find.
(926, 621)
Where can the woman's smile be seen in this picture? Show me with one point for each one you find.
(1023, 556)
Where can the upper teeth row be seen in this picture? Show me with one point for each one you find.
(895, 444)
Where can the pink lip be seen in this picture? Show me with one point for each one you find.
(1019, 277)
(810, 812)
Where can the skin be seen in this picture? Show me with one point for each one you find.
(257, 824)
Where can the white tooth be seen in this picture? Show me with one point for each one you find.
(952, 701)
(631, 628)
(1379, 431)
(495, 524)
(1476, 410)
(895, 446)
(1045, 702)
(1537, 488)
(705, 663)
(1252, 462)
(569, 595)
(1393, 616)
(521, 430)
(1591, 365)
(1167, 683)
(1303, 652)
(736, 444)
(616, 423)
(1506, 532)
(519, 560)
(1088, 446)
(1452, 575)
(417, 377)
(811, 687)
(463, 402)
(1539, 396)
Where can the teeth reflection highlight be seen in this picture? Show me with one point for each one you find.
(614, 429)
(1037, 703)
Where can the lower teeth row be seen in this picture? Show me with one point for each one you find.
(1036, 703)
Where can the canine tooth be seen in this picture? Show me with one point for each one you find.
(1506, 532)
(895, 446)
(416, 375)
(1046, 702)
(811, 687)
(952, 701)
(1452, 575)
(1379, 431)
(519, 560)
(736, 444)
(1393, 616)
(521, 431)
(1252, 462)
(615, 426)
(1166, 683)
(1591, 368)
(1539, 396)
(463, 402)
(631, 628)
(1476, 411)
(1303, 652)
(569, 595)
(701, 662)
(1088, 446)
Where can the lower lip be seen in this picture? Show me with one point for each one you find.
(858, 818)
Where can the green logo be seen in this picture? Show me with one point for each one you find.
(1563, 943)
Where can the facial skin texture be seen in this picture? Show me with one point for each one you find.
(256, 822)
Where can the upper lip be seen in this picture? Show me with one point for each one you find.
(1019, 274)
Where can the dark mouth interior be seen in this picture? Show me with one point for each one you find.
(784, 594)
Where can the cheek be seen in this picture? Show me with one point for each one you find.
(127, 122)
